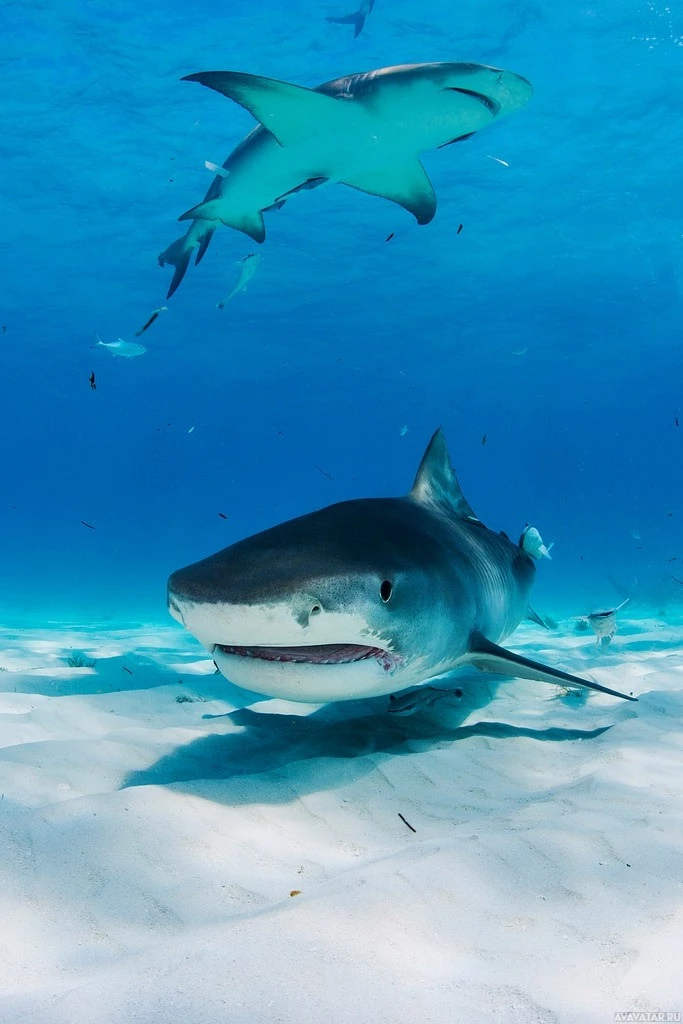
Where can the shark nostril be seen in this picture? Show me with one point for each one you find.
(316, 609)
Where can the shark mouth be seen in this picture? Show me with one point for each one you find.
(321, 654)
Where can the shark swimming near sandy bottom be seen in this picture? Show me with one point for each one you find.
(364, 130)
(366, 597)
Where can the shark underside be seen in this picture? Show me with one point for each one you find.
(366, 597)
(365, 130)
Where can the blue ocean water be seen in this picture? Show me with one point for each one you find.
(550, 325)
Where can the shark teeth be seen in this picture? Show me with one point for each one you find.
(321, 654)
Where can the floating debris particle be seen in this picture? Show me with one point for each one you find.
(190, 430)
(4, 328)
(389, 237)
(93, 382)
(295, 892)
(406, 822)
(520, 351)
(83, 523)
(459, 229)
(403, 431)
(498, 160)
(483, 440)
(222, 515)
(674, 559)
(676, 580)
(127, 670)
(153, 316)
(321, 470)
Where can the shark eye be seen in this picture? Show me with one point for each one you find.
(386, 590)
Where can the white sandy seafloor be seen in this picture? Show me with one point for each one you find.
(149, 847)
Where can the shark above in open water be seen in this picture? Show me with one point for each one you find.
(366, 597)
(366, 130)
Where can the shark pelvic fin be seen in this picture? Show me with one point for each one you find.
(291, 113)
(248, 221)
(489, 657)
(406, 184)
(436, 482)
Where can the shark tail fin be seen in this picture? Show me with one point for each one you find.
(178, 255)
(357, 19)
(535, 617)
(489, 657)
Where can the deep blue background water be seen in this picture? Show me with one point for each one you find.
(573, 252)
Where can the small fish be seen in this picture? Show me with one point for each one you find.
(4, 330)
(190, 430)
(222, 515)
(459, 229)
(498, 160)
(389, 237)
(636, 534)
(153, 316)
(93, 382)
(604, 624)
(520, 351)
(248, 267)
(127, 349)
(676, 418)
(403, 431)
(83, 523)
(483, 440)
(674, 559)
(532, 542)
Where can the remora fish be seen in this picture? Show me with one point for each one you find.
(357, 19)
(364, 130)
(604, 624)
(127, 349)
(248, 267)
(365, 597)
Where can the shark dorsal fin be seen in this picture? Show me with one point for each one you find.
(436, 482)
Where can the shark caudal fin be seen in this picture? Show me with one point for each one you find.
(357, 19)
(436, 482)
(178, 255)
(489, 657)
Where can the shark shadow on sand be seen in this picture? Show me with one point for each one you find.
(342, 742)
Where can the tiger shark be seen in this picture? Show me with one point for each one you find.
(365, 597)
(364, 130)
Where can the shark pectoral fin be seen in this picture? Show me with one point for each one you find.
(406, 184)
(290, 113)
(489, 657)
(248, 221)
(535, 617)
